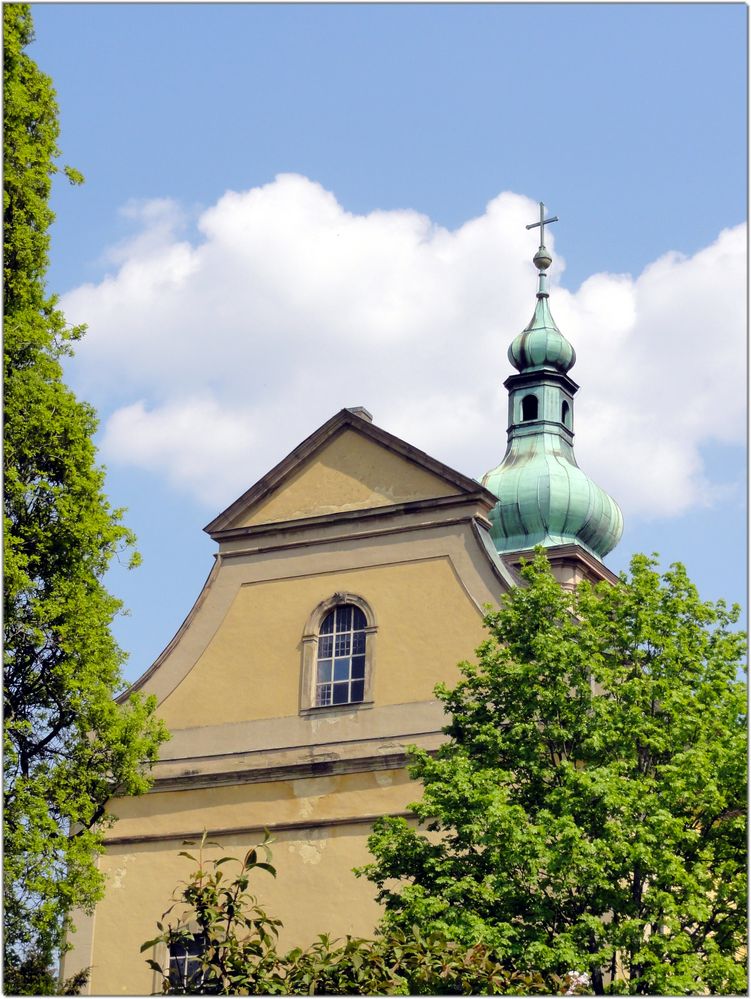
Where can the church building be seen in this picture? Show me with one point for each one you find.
(347, 583)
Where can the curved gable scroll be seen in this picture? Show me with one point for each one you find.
(310, 701)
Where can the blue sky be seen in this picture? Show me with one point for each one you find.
(384, 159)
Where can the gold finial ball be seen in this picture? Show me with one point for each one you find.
(542, 259)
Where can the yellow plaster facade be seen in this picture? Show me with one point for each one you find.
(256, 651)
(319, 836)
(352, 515)
(351, 472)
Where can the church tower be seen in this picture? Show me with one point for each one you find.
(543, 497)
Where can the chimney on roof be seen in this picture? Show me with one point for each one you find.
(362, 412)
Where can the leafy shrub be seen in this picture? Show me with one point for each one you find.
(234, 945)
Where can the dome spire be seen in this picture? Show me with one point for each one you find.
(541, 344)
(542, 259)
(543, 496)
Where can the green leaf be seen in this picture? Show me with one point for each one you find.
(594, 743)
(261, 866)
(69, 746)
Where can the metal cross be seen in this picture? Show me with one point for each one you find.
(542, 223)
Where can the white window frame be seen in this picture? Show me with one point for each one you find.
(162, 957)
(185, 958)
(309, 669)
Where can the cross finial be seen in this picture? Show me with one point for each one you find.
(542, 259)
(542, 223)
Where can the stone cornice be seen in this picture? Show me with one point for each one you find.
(573, 555)
(291, 771)
(257, 830)
(476, 503)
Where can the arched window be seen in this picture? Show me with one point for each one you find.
(337, 654)
(565, 413)
(529, 407)
(340, 672)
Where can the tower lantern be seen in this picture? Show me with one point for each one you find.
(544, 498)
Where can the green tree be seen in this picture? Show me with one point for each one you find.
(234, 946)
(67, 745)
(587, 812)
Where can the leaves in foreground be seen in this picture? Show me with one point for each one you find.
(233, 943)
(588, 810)
(67, 746)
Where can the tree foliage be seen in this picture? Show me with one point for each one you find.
(588, 809)
(33, 975)
(67, 745)
(237, 953)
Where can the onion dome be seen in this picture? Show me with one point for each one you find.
(541, 344)
(544, 498)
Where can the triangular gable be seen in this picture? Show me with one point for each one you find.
(347, 464)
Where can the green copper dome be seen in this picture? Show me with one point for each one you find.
(541, 344)
(544, 498)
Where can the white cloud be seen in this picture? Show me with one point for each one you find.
(221, 443)
(211, 359)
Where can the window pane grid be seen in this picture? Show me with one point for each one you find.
(340, 674)
(185, 963)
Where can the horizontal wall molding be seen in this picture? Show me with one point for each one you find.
(272, 827)
(291, 771)
(349, 536)
(358, 514)
(332, 746)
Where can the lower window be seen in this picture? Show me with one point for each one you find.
(185, 962)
